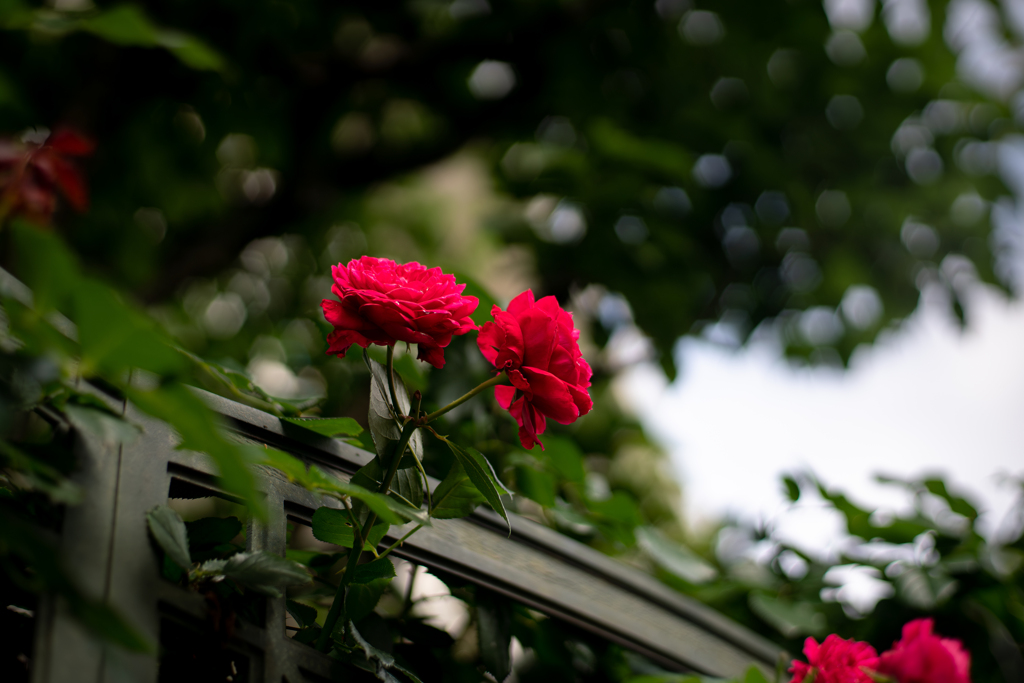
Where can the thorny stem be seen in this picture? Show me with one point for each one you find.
(460, 400)
(323, 642)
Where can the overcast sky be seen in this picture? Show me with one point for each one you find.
(926, 398)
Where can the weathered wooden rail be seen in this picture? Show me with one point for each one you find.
(535, 565)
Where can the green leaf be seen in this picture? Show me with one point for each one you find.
(383, 426)
(455, 496)
(123, 25)
(792, 489)
(381, 417)
(197, 426)
(115, 337)
(328, 426)
(169, 532)
(211, 531)
(536, 485)
(619, 508)
(265, 572)
(208, 569)
(308, 636)
(755, 675)
(565, 457)
(293, 468)
(361, 598)
(858, 521)
(319, 562)
(128, 25)
(335, 526)
(369, 476)
(408, 485)
(412, 371)
(482, 475)
(673, 557)
(669, 159)
(957, 504)
(46, 265)
(304, 615)
(191, 51)
(381, 568)
(370, 650)
(791, 619)
(925, 589)
(494, 628)
(382, 661)
(41, 476)
(110, 429)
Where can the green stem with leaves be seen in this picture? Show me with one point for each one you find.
(410, 425)
(323, 642)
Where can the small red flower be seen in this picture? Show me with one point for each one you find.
(383, 302)
(923, 657)
(835, 661)
(537, 346)
(32, 173)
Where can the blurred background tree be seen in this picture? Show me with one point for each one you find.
(663, 168)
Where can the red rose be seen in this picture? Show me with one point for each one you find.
(923, 657)
(383, 302)
(31, 174)
(536, 345)
(836, 661)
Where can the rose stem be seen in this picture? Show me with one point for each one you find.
(391, 381)
(353, 557)
(459, 401)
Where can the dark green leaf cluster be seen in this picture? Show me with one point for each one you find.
(261, 572)
(931, 561)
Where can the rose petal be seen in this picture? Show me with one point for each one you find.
(521, 303)
(538, 338)
(431, 354)
(551, 396)
(504, 394)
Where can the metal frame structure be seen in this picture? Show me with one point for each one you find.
(534, 565)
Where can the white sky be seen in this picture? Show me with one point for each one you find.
(925, 398)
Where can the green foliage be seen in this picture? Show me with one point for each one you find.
(613, 107)
(482, 476)
(456, 495)
(328, 426)
(264, 573)
(169, 531)
(335, 526)
(261, 572)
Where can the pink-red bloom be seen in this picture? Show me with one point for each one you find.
(382, 302)
(536, 344)
(32, 173)
(835, 661)
(923, 657)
